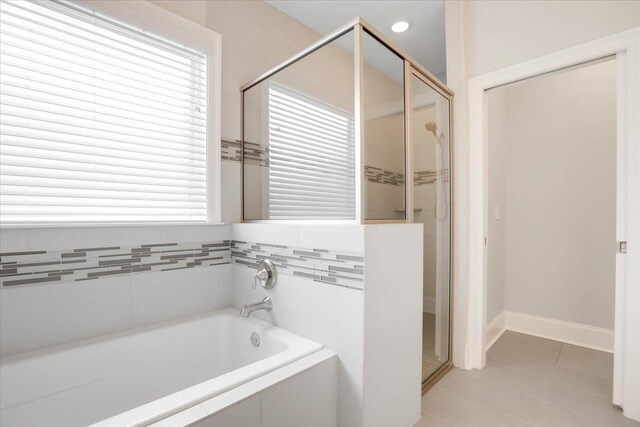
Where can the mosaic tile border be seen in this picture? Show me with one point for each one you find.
(75, 265)
(231, 150)
(320, 265)
(424, 177)
(383, 176)
(253, 153)
(83, 264)
(429, 177)
(257, 155)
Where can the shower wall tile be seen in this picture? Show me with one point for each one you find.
(255, 154)
(424, 177)
(429, 177)
(231, 149)
(383, 176)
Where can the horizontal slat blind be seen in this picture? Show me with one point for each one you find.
(311, 158)
(98, 122)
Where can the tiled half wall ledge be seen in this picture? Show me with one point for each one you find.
(40, 267)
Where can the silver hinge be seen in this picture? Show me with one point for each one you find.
(622, 247)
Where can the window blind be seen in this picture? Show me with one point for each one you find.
(311, 158)
(99, 122)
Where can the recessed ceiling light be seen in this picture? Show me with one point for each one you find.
(400, 27)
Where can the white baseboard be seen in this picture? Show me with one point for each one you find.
(429, 304)
(558, 330)
(495, 329)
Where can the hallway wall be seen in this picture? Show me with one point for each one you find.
(557, 137)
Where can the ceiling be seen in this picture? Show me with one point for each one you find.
(424, 40)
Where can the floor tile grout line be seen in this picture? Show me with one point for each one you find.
(559, 355)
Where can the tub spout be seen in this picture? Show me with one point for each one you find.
(265, 304)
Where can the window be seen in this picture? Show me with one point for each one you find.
(99, 122)
(311, 158)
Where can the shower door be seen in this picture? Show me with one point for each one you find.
(431, 195)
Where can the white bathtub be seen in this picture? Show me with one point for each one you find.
(142, 376)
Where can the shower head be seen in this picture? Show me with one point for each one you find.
(431, 127)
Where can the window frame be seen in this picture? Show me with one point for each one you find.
(147, 17)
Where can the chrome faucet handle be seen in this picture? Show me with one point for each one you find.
(260, 276)
(266, 274)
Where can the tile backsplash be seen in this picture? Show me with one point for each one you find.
(33, 267)
(80, 264)
(320, 265)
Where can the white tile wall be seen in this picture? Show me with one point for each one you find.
(392, 380)
(331, 315)
(393, 324)
(161, 296)
(43, 315)
(306, 399)
(57, 238)
(245, 413)
(33, 317)
(393, 243)
(275, 234)
(350, 391)
(347, 238)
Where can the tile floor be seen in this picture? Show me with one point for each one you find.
(527, 382)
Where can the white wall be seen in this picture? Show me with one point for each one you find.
(558, 141)
(497, 133)
(503, 33)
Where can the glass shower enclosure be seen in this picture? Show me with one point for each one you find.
(331, 136)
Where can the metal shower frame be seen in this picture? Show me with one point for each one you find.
(411, 68)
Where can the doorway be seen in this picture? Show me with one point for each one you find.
(627, 319)
(551, 208)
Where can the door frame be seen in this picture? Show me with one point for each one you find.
(626, 47)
